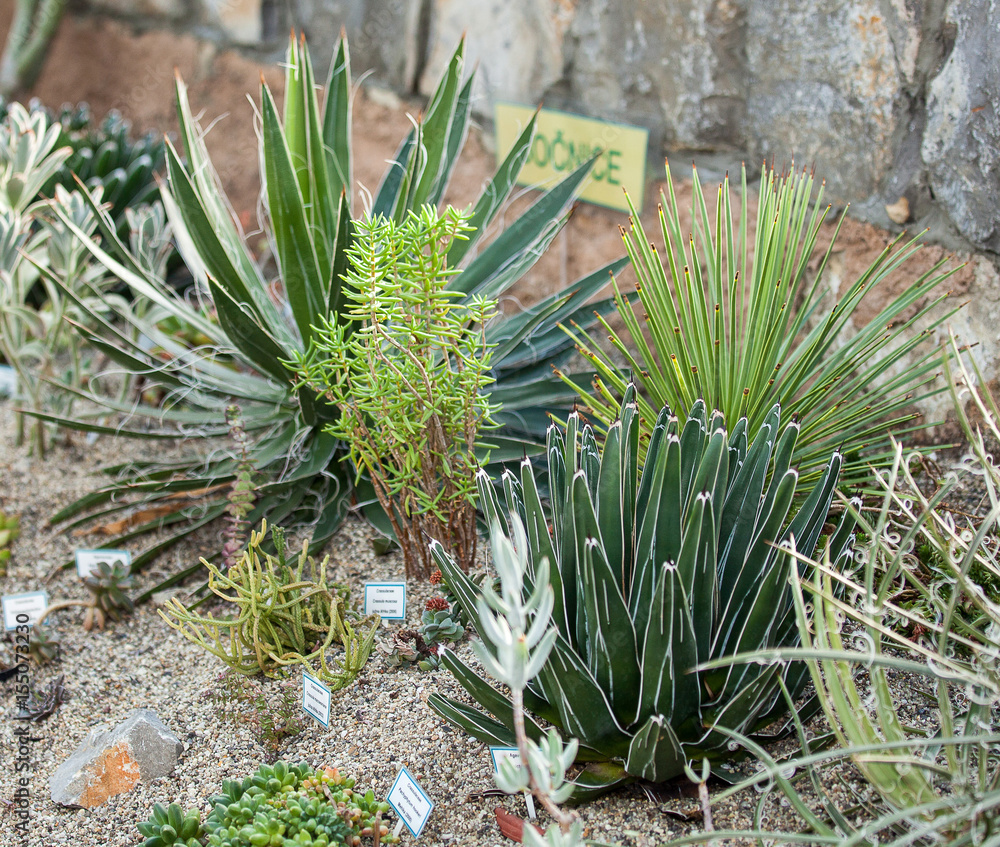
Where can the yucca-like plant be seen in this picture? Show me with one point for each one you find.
(730, 314)
(306, 170)
(655, 572)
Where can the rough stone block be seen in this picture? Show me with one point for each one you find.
(518, 47)
(676, 67)
(961, 145)
(240, 20)
(828, 79)
(110, 763)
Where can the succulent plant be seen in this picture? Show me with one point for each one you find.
(107, 584)
(287, 615)
(10, 529)
(44, 645)
(169, 826)
(655, 572)
(278, 805)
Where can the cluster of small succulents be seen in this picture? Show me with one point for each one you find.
(9, 530)
(107, 584)
(279, 806)
(438, 625)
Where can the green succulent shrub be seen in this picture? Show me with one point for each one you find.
(408, 367)
(287, 615)
(308, 197)
(724, 318)
(655, 572)
(278, 805)
(45, 645)
(33, 25)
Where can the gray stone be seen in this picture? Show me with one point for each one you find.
(961, 145)
(673, 66)
(240, 20)
(110, 763)
(827, 85)
(169, 9)
(517, 46)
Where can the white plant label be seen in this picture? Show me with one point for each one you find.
(88, 560)
(8, 381)
(498, 754)
(23, 609)
(316, 699)
(410, 802)
(387, 599)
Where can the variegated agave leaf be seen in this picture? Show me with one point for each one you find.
(656, 571)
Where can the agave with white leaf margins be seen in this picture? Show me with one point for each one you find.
(655, 571)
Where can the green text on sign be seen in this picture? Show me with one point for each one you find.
(563, 141)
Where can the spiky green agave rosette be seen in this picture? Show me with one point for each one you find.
(656, 572)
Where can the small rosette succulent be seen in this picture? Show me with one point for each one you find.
(107, 584)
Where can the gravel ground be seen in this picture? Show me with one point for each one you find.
(378, 724)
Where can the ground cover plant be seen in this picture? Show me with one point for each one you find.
(656, 570)
(734, 317)
(309, 224)
(279, 804)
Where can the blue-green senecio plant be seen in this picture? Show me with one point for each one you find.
(519, 629)
(654, 573)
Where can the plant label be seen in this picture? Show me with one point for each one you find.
(316, 699)
(498, 754)
(410, 802)
(563, 142)
(23, 609)
(8, 381)
(387, 599)
(88, 560)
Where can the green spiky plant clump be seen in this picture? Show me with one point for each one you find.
(655, 572)
(921, 786)
(10, 529)
(278, 805)
(309, 200)
(409, 370)
(271, 714)
(739, 322)
(102, 155)
(287, 615)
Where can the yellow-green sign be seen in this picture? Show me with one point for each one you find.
(563, 141)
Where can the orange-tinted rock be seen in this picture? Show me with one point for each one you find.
(110, 763)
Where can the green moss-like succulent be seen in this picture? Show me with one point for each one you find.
(278, 805)
(287, 615)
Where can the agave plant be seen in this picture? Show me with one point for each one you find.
(655, 572)
(741, 324)
(306, 173)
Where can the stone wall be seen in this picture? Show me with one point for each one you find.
(889, 99)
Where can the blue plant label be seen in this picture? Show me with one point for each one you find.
(88, 560)
(316, 699)
(387, 599)
(410, 802)
(8, 381)
(23, 609)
